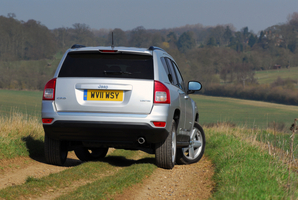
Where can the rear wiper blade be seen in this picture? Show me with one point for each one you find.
(116, 72)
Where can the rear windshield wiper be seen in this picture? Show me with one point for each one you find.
(116, 72)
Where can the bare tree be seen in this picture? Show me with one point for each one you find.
(293, 19)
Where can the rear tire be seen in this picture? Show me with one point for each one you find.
(165, 152)
(194, 152)
(85, 154)
(55, 151)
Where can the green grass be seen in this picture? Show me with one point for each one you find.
(269, 76)
(109, 186)
(24, 146)
(20, 135)
(243, 112)
(243, 171)
(27, 102)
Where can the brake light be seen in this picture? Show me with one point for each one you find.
(161, 93)
(49, 90)
(108, 51)
(159, 124)
(47, 120)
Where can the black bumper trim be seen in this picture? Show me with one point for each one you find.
(105, 132)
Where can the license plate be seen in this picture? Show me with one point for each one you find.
(103, 95)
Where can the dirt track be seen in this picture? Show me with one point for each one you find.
(183, 182)
(16, 171)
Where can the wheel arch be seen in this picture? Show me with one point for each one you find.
(176, 117)
(197, 117)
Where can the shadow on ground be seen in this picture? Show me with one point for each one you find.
(121, 161)
(35, 149)
(34, 146)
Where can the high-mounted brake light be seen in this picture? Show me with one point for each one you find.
(161, 93)
(49, 90)
(108, 51)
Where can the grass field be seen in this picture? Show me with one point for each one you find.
(27, 102)
(211, 109)
(243, 112)
(268, 76)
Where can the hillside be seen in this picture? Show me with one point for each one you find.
(208, 54)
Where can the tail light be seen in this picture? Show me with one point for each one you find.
(161, 93)
(49, 90)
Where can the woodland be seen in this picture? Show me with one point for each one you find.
(223, 59)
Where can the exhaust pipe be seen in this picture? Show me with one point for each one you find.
(141, 140)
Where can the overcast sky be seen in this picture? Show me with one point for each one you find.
(152, 14)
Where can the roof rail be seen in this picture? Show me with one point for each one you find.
(77, 46)
(155, 48)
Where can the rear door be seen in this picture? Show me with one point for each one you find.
(187, 101)
(105, 82)
(179, 88)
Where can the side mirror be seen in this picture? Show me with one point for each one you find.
(194, 86)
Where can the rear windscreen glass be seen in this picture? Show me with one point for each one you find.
(95, 64)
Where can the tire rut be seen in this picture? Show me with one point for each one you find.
(53, 193)
(17, 170)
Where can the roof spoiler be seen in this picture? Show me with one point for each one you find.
(77, 46)
(155, 48)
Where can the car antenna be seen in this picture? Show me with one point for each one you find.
(112, 40)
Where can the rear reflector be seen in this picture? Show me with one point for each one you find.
(161, 93)
(108, 51)
(47, 120)
(49, 90)
(159, 124)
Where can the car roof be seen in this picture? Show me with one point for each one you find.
(119, 49)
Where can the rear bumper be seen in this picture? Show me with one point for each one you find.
(108, 133)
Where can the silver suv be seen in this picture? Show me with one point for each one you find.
(120, 97)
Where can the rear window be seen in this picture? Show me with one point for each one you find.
(95, 64)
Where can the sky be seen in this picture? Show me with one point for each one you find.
(257, 15)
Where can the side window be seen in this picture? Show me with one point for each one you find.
(164, 64)
(172, 72)
(179, 77)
